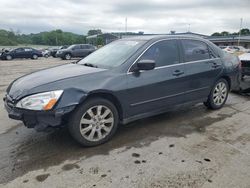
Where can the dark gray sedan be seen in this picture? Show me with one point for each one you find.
(124, 81)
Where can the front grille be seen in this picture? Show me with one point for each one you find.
(245, 63)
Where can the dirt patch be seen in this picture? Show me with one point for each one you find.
(67, 167)
(42, 177)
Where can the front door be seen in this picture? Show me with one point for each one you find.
(19, 53)
(161, 87)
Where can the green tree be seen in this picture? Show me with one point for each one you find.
(94, 32)
(216, 34)
(99, 41)
(245, 31)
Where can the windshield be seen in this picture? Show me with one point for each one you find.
(113, 54)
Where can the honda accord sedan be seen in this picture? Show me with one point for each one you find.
(124, 81)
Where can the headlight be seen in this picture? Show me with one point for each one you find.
(59, 52)
(40, 101)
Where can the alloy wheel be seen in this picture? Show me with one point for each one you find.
(96, 123)
(9, 57)
(67, 57)
(220, 93)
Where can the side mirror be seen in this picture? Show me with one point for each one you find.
(145, 64)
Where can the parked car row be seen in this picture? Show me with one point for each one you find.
(63, 52)
(25, 52)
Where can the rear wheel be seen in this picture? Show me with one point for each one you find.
(218, 95)
(94, 122)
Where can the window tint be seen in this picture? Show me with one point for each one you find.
(163, 53)
(27, 49)
(195, 50)
(76, 47)
(84, 47)
(19, 50)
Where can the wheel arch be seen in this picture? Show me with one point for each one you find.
(110, 97)
(227, 78)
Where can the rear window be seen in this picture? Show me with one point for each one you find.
(195, 50)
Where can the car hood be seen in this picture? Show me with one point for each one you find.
(245, 57)
(22, 85)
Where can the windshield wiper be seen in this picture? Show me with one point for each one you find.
(90, 65)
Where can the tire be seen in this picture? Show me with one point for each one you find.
(218, 95)
(34, 56)
(9, 57)
(95, 131)
(67, 56)
(46, 55)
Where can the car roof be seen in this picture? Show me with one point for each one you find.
(162, 37)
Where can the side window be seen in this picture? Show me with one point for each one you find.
(27, 49)
(195, 50)
(19, 50)
(77, 47)
(163, 53)
(84, 47)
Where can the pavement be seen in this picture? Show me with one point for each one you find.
(188, 147)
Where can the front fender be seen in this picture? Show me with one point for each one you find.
(71, 97)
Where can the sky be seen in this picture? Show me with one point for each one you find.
(149, 16)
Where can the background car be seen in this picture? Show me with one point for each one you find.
(245, 64)
(46, 53)
(76, 50)
(25, 52)
(54, 50)
(234, 49)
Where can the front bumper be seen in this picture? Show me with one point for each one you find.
(61, 55)
(40, 120)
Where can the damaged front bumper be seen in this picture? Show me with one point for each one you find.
(40, 120)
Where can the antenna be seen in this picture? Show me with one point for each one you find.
(126, 25)
(241, 20)
(189, 27)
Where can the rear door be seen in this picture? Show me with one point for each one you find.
(84, 50)
(161, 87)
(77, 51)
(202, 68)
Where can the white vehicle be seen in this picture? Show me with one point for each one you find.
(245, 64)
(233, 49)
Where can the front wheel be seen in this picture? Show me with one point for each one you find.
(9, 57)
(218, 95)
(67, 56)
(94, 122)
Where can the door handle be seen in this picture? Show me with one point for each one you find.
(214, 65)
(178, 72)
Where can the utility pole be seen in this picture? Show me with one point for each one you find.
(241, 20)
(126, 25)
